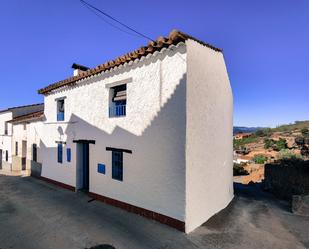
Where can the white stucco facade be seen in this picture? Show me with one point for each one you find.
(6, 138)
(178, 126)
(209, 138)
(24, 136)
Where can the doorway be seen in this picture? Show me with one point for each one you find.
(0, 159)
(82, 167)
(24, 155)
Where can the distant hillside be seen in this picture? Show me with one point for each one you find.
(290, 127)
(238, 129)
(281, 128)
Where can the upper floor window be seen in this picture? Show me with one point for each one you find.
(60, 110)
(6, 128)
(119, 101)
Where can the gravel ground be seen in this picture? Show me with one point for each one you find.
(35, 214)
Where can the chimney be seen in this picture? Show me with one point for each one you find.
(78, 69)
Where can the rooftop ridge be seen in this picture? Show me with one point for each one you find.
(174, 37)
(36, 114)
(17, 107)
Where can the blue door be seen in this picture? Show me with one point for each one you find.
(85, 166)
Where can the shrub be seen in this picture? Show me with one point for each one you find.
(268, 143)
(287, 154)
(281, 144)
(300, 141)
(242, 142)
(263, 132)
(259, 159)
(238, 170)
(305, 132)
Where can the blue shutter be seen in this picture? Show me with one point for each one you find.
(60, 149)
(68, 154)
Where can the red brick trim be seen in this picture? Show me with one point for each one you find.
(59, 184)
(179, 225)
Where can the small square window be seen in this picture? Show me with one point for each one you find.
(101, 168)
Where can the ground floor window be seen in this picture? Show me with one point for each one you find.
(68, 155)
(60, 153)
(6, 155)
(117, 165)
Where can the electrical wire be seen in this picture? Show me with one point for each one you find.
(115, 20)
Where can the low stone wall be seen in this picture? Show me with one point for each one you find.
(287, 178)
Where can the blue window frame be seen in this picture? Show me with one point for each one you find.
(117, 165)
(101, 168)
(60, 110)
(60, 152)
(68, 155)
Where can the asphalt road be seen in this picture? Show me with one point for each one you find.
(35, 214)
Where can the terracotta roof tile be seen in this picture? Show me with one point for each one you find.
(174, 38)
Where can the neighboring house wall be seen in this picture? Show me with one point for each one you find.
(19, 135)
(29, 136)
(209, 150)
(6, 139)
(34, 135)
(154, 129)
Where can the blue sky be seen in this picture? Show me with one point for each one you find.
(265, 43)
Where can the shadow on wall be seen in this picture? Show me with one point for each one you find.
(154, 63)
(158, 158)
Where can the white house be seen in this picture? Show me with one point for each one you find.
(6, 132)
(26, 138)
(150, 131)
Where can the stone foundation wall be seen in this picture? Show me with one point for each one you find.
(287, 178)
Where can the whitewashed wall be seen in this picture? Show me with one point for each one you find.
(32, 134)
(6, 140)
(209, 150)
(154, 129)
